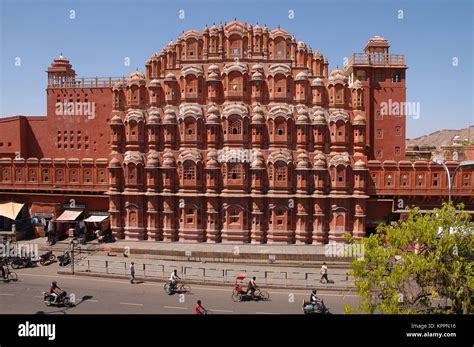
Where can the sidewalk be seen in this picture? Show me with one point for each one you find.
(301, 255)
(226, 253)
(215, 273)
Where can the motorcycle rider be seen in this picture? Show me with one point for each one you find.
(55, 291)
(315, 300)
(174, 278)
(252, 286)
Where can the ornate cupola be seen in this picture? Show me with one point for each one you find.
(61, 73)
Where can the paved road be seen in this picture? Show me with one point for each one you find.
(102, 295)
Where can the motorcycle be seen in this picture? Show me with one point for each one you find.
(22, 262)
(62, 299)
(64, 259)
(47, 258)
(313, 308)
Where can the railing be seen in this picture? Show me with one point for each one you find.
(95, 82)
(377, 59)
(211, 274)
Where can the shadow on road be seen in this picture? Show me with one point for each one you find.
(66, 308)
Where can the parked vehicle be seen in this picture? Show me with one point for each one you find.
(65, 259)
(240, 292)
(22, 262)
(62, 300)
(315, 308)
(47, 258)
(180, 287)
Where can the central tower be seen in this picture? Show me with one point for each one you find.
(239, 134)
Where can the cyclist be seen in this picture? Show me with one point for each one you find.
(174, 278)
(252, 286)
(3, 267)
(199, 309)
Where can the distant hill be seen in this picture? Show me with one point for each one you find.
(442, 137)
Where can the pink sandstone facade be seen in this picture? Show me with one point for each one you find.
(233, 134)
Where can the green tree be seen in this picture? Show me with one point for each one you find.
(408, 266)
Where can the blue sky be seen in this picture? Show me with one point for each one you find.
(104, 32)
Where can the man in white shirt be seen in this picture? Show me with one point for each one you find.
(324, 274)
(174, 278)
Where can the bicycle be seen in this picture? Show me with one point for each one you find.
(10, 275)
(179, 287)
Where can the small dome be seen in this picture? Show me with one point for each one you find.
(258, 119)
(170, 117)
(319, 161)
(317, 55)
(211, 160)
(155, 83)
(170, 78)
(118, 85)
(319, 117)
(212, 118)
(359, 119)
(359, 164)
(357, 85)
(257, 67)
(301, 45)
(257, 76)
(114, 162)
(168, 158)
(302, 76)
(212, 109)
(302, 161)
(116, 119)
(213, 76)
(317, 82)
(154, 118)
(302, 119)
(213, 67)
(136, 77)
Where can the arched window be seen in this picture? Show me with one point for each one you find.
(235, 126)
(192, 49)
(234, 172)
(280, 85)
(234, 216)
(189, 172)
(192, 87)
(132, 174)
(280, 48)
(236, 82)
(340, 222)
(190, 128)
(280, 127)
(281, 173)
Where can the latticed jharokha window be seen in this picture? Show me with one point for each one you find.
(189, 173)
(280, 173)
(280, 128)
(235, 127)
(235, 172)
(234, 216)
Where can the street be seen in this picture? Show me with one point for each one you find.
(115, 296)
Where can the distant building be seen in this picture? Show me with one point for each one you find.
(233, 134)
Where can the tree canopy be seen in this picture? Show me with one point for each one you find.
(410, 265)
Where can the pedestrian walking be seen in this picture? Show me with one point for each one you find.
(51, 232)
(132, 272)
(324, 274)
